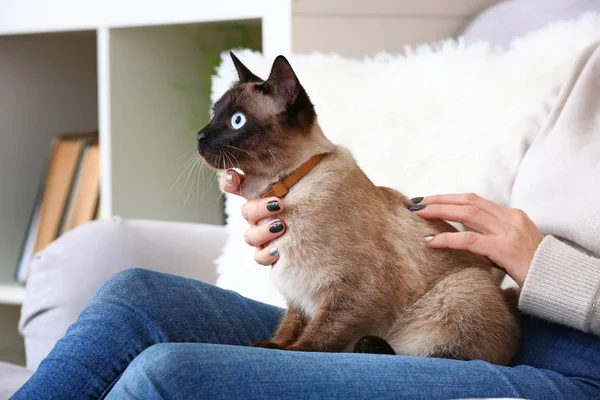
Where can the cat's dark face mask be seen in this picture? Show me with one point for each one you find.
(255, 120)
(237, 126)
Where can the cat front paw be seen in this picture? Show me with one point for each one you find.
(267, 344)
(303, 347)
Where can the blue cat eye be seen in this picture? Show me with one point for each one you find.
(238, 120)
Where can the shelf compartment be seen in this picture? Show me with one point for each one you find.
(48, 86)
(11, 293)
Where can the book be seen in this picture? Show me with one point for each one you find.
(85, 192)
(62, 168)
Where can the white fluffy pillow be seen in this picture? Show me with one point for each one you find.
(430, 121)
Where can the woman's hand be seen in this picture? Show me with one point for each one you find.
(505, 235)
(262, 216)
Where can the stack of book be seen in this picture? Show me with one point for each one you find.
(68, 195)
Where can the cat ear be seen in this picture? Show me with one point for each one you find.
(244, 74)
(284, 80)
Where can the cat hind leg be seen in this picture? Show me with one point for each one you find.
(465, 317)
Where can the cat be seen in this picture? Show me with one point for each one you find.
(353, 265)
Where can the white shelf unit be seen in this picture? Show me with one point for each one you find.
(139, 72)
(11, 293)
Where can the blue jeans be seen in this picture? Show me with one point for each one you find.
(147, 335)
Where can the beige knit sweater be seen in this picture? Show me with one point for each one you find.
(555, 178)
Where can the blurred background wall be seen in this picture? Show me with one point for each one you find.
(365, 27)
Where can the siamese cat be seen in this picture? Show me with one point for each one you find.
(353, 265)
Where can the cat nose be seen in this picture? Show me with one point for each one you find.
(201, 137)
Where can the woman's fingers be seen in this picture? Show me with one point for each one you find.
(254, 211)
(470, 241)
(466, 199)
(469, 215)
(231, 181)
(259, 235)
(258, 209)
(508, 237)
(267, 255)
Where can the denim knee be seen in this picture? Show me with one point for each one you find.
(150, 374)
(129, 283)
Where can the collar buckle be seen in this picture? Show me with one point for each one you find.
(280, 189)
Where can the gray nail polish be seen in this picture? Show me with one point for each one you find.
(273, 206)
(273, 251)
(229, 177)
(276, 227)
(428, 238)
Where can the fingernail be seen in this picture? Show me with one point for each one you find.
(276, 226)
(416, 200)
(273, 251)
(273, 206)
(428, 238)
(229, 177)
(416, 208)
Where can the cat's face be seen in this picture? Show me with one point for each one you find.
(255, 122)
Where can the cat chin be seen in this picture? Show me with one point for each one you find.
(216, 160)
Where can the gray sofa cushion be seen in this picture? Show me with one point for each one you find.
(64, 277)
(12, 377)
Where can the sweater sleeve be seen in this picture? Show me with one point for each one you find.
(562, 286)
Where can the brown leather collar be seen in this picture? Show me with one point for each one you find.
(282, 188)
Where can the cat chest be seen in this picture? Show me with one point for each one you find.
(298, 285)
(301, 274)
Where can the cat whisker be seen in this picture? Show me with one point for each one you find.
(202, 171)
(233, 164)
(215, 177)
(222, 194)
(225, 159)
(187, 153)
(228, 160)
(187, 164)
(190, 172)
(194, 168)
(198, 180)
(245, 151)
(189, 160)
(224, 167)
